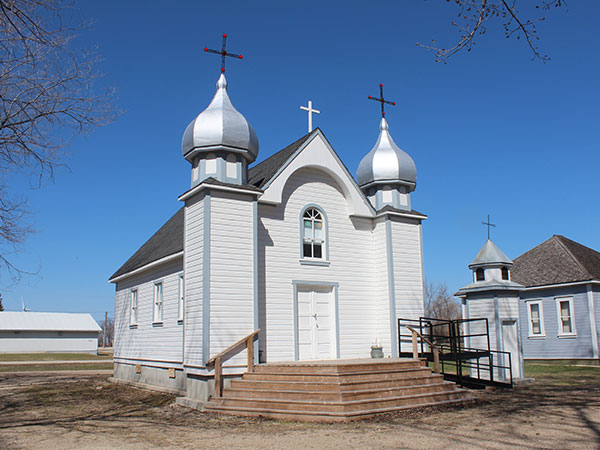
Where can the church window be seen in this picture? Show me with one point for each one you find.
(210, 163)
(158, 302)
(566, 321)
(133, 307)
(479, 274)
(313, 234)
(181, 298)
(231, 167)
(536, 318)
(505, 273)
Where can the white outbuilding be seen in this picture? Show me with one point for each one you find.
(27, 332)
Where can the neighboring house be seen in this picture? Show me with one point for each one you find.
(25, 332)
(322, 264)
(560, 302)
(544, 305)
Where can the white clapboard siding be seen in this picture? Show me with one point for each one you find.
(350, 242)
(193, 263)
(408, 269)
(148, 341)
(381, 287)
(231, 272)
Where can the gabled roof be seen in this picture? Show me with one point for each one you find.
(166, 241)
(490, 254)
(261, 173)
(44, 321)
(555, 261)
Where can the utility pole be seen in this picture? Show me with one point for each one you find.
(105, 324)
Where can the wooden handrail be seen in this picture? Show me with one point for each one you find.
(218, 360)
(434, 348)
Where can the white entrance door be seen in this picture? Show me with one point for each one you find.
(510, 344)
(315, 323)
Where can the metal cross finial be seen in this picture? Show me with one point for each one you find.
(489, 224)
(223, 53)
(310, 113)
(382, 100)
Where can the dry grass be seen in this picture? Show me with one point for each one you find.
(562, 410)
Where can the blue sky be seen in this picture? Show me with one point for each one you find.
(491, 132)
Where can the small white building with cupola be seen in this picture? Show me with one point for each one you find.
(321, 263)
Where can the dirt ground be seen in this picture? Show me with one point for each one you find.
(85, 411)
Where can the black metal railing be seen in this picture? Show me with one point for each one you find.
(466, 364)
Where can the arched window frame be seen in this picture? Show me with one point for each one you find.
(324, 259)
(505, 273)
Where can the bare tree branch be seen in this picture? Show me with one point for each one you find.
(47, 97)
(473, 15)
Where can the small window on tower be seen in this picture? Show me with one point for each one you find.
(479, 275)
(231, 167)
(211, 163)
(505, 273)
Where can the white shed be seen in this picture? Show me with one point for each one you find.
(25, 332)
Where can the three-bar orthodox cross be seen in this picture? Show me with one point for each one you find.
(489, 224)
(223, 52)
(310, 113)
(382, 100)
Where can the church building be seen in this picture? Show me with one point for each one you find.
(321, 263)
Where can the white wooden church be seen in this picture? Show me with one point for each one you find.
(321, 263)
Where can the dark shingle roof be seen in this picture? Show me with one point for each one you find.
(557, 260)
(166, 241)
(260, 174)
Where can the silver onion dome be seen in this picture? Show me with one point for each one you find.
(220, 127)
(387, 163)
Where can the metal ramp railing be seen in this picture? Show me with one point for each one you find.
(464, 350)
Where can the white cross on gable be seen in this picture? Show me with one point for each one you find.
(310, 113)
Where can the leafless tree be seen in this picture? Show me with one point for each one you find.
(474, 16)
(47, 97)
(1, 305)
(439, 303)
(108, 327)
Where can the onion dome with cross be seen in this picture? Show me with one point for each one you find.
(387, 174)
(220, 143)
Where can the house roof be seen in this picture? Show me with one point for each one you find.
(555, 261)
(168, 240)
(44, 321)
(490, 254)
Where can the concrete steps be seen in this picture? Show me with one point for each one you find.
(335, 390)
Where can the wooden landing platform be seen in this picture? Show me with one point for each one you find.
(335, 390)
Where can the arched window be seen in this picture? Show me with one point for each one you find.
(505, 273)
(313, 236)
(479, 275)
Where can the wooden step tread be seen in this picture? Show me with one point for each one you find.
(290, 412)
(444, 384)
(210, 405)
(342, 374)
(340, 383)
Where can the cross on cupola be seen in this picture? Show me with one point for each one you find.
(382, 100)
(488, 224)
(223, 52)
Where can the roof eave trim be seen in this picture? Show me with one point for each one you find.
(202, 186)
(558, 285)
(148, 266)
(402, 214)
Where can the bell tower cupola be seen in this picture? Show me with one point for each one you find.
(387, 175)
(220, 143)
